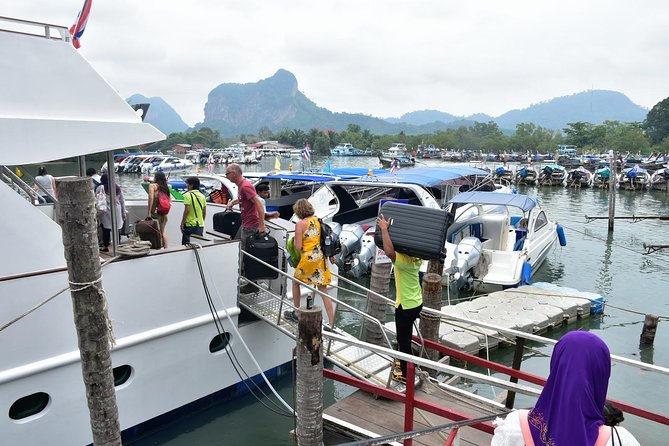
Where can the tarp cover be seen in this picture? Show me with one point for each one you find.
(523, 202)
(430, 176)
(54, 105)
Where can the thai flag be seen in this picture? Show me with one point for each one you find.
(77, 30)
(395, 166)
(305, 153)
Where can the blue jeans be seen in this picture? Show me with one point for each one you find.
(188, 230)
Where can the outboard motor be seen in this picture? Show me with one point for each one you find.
(467, 255)
(350, 237)
(362, 261)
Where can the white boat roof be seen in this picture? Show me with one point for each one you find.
(524, 202)
(54, 105)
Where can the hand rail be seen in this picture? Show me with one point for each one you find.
(314, 289)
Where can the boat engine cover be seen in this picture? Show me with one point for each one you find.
(350, 237)
(467, 253)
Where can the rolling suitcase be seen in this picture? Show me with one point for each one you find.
(227, 222)
(264, 247)
(149, 230)
(415, 230)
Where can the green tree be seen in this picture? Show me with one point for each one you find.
(657, 121)
(579, 133)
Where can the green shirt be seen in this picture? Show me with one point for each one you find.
(196, 203)
(408, 290)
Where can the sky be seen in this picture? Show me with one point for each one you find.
(380, 58)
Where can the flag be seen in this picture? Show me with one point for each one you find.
(394, 165)
(305, 153)
(77, 30)
(277, 163)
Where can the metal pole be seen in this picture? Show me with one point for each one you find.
(112, 198)
(409, 401)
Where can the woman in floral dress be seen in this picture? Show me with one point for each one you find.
(313, 266)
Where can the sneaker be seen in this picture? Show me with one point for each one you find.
(248, 288)
(290, 315)
(398, 377)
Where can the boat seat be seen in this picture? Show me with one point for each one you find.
(495, 229)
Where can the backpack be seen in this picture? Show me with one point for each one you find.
(330, 244)
(101, 199)
(164, 204)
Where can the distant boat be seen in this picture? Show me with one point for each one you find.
(634, 178)
(552, 175)
(660, 180)
(526, 175)
(346, 149)
(579, 177)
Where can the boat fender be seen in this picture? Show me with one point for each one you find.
(526, 275)
(561, 237)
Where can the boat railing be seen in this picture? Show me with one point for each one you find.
(21, 187)
(39, 29)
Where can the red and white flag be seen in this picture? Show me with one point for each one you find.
(77, 30)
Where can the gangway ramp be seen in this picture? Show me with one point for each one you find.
(357, 361)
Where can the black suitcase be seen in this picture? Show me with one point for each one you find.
(149, 230)
(264, 247)
(227, 222)
(415, 230)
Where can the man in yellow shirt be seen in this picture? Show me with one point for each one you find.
(409, 295)
(195, 211)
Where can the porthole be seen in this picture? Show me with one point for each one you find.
(219, 342)
(122, 374)
(29, 405)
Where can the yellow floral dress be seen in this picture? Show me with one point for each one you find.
(312, 268)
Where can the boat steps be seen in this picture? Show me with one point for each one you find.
(359, 362)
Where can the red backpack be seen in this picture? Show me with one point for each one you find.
(164, 204)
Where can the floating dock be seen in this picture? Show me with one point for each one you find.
(528, 309)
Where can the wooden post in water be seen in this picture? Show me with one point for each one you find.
(612, 192)
(649, 329)
(309, 377)
(429, 324)
(376, 307)
(78, 220)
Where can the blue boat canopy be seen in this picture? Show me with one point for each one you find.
(523, 202)
(430, 176)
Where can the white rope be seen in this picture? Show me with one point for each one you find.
(84, 285)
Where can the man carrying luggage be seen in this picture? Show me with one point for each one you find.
(252, 209)
(195, 210)
(409, 300)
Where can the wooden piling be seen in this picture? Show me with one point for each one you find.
(376, 307)
(612, 193)
(309, 377)
(429, 324)
(78, 220)
(649, 329)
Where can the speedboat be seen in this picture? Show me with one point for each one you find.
(497, 240)
(579, 177)
(633, 178)
(351, 206)
(552, 175)
(168, 164)
(168, 355)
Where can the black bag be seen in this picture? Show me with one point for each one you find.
(330, 244)
(415, 230)
(149, 230)
(266, 248)
(227, 222)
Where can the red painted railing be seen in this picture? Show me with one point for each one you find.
(473, 359)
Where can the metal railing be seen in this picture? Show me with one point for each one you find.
(20, 186)
(39, 29)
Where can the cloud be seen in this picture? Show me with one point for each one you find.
(379, 58)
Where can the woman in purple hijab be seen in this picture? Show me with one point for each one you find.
(570, 409)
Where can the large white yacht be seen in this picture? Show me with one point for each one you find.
(168, 353)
